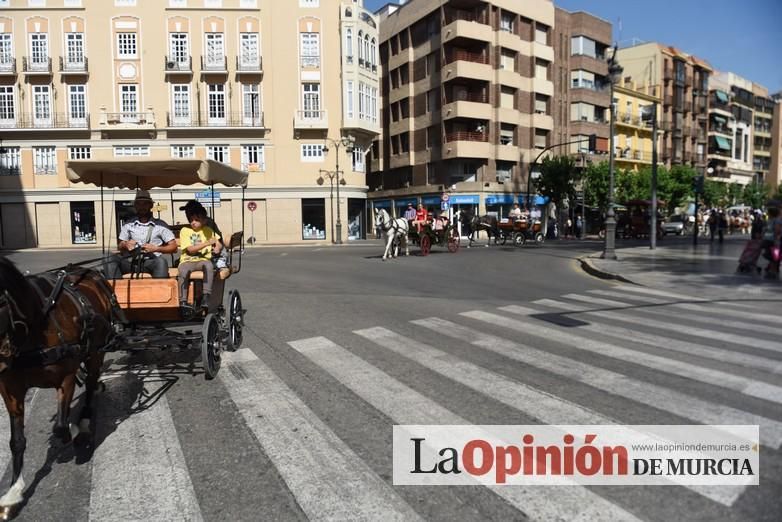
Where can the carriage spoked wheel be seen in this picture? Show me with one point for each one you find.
(519, 239)
(426, 245)
(235, 320)
(210, 346)
(503, 238)
(539, 238)
(453, 242)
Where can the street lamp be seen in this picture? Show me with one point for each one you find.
(609, 251)
(347, 142)
(331, 174)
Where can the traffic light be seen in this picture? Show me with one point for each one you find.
(592, 142)
(697, 184)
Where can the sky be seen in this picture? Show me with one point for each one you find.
(740, 36)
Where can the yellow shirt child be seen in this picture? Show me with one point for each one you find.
(189, 237)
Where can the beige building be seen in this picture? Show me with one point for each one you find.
(731, 113)
(762, 124)
(681, 80)
(262, 86)
(633, 133)
(467, 102)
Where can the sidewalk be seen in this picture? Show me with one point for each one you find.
(709, 268)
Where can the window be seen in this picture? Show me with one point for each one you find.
(541, 138)
(252, 158)
(360, 43)
(129, 101)
(251, 104)
(582, 112)
(373, 108)
(178, 48)
(216, 102)
(541, 104)
(36, 3)
(541, 69)
(182, 151)
(215, 50)
(349, 45)
(218, 153)
(582, 79)
(213, 3)
(541, 34)
(125, 3)
(7, 106)
(581, 45)
(312, 153)
(311, 100)
(358, 159)
(180, 101)
(313, 217)
(80, 153)
(128, 151)
(372, 53)
(507, 97)
(39, 49)
(45, 160)
(10, 161)
(349, 100)
(310, 50)
(42, 106)
(77, 103)
(506, 134)
(68, 3)
(177, 3)
(74, 54)
(6, 51)
(508, 60)
(506, 22)
(308, 3)
(126, 45)
(248, 4)
(249, 49)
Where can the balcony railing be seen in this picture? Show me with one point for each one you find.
(477, 97)
(467, 56)
(128, 118)
(312, 62)
(253, 167)
(56, 120)
(310, 119)
(74, 64)
(466, 136)
(229, 120)
(249, 64)
(215, 64)
(31, 66)
(453, 15)
(8, 65)
(179, 64)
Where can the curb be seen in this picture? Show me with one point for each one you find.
(590, 268)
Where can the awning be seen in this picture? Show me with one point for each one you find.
(722, 143)
(464, 199)
(406, 201)
(148, 174)
(722, 96)
(381, 203)
(500, 199)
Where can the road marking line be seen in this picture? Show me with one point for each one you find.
(673, 295)
(138, 470)
(404, 405)
(658, 341)
(329, 481)
(646, 393)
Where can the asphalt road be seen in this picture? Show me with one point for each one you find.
(297, 425)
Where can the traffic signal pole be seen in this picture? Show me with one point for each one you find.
(653, 224)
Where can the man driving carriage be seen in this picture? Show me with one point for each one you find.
(146, 235)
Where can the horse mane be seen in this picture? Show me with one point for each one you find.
(23, 294)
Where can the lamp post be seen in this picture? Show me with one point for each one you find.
(347, 142)
(609, 251)
(331, 175)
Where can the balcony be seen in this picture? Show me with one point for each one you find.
(128, 120)
(467, 144)
(30, 66)
(310, 120)
(453, 55)
(461, 28)
(231, 120)
(249, 64)
(668, 74)
(311, 62)
(7, 66)
(466, 136)
(74, 65)
(253, 167)
(58, 120)
(214, 65)
(179, 65)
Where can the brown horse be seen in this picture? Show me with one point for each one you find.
(50, 324)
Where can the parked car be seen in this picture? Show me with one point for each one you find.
(676, 225)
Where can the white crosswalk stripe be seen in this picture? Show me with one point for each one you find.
(329, 480)
(406, 406)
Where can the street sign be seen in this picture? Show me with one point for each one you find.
(207, 197)
(445, 197)
(159, 207)
(251, 206)
(444, 205)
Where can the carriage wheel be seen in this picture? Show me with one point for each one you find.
(519, 239)
(210, 346)
(503, 238)
(235, 320)
(426, 245)
(539, 238)
(453, 242)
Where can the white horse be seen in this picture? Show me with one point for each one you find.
(395, 231)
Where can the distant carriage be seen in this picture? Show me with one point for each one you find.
(519, 231)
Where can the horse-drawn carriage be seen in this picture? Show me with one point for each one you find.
(519, 231)
(443, 234)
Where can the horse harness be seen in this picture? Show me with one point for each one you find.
(62, 287)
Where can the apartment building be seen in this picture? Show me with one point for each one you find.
(633, 130)
(582, 96)
(467, 96)
(267, 87)
(731, 113)
(681, 81)
(762, 123)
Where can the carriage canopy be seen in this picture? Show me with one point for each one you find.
(148, 174)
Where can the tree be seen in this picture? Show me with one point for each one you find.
(558, 178)
(679, 185)
(596, 186)
(714, 193)
(755, 195)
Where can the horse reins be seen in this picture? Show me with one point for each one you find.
(6, 299)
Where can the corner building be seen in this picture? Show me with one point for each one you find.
(261, 86)
(467, 96)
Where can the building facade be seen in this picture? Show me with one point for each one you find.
(681, 80)
(467, 96)
(762, 123)
(633, 130)
(267, 87)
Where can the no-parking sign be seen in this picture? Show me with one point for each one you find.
(251, 206)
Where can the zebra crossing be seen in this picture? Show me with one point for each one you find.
(624, 355)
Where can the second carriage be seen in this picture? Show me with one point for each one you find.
(519, 231)
(445, 235)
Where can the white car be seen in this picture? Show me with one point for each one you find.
(676, 225)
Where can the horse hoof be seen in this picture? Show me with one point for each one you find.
(8, 512)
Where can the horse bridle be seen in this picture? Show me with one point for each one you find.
(9, 312)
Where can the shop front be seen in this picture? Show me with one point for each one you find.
(499, 205)
(83, 222)
(356, 214)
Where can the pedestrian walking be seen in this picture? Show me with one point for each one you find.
(722, 225)
(712, 222)
(579, 227)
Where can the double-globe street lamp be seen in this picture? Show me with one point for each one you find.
(331, 175)
(348, 142)
(609, 251)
